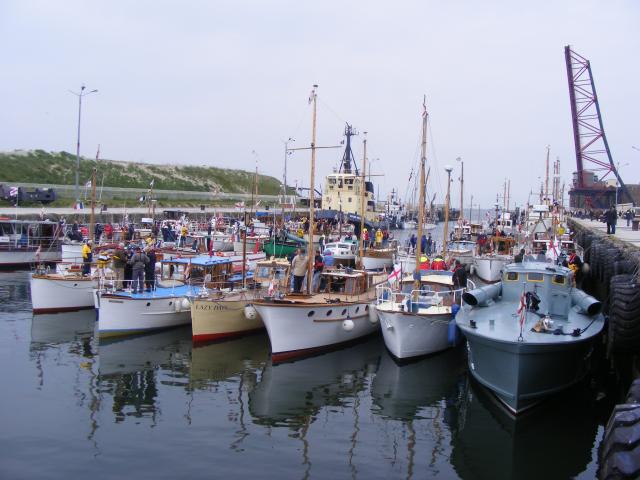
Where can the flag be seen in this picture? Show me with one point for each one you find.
(88, 184)
(187, 271)
(272, 288)
(312, 95)
(258, 203)
(13, 192)
(424, 107)
(395, 275)
(239, 204)
(151, 183)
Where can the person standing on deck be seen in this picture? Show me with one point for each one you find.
(150, 270)
(119, 261)
(138, 263)
(459, 275)
(87, 258)
(299, 269)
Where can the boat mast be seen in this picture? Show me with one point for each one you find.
(461, 216)
(546, 179)
(362, 197)
(421, 200)
(93, 197)
(314, 98)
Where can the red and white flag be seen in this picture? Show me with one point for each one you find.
(239, 204)
(395, 275)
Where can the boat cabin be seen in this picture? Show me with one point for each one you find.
(273, 274)
(461, 246)
(212, 272)
(349, 281)
(25, 234)
(551, 284)
(503, 245)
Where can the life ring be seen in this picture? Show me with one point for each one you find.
(219, 254)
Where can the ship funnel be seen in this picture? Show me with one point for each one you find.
(481, 296)
(586, 303)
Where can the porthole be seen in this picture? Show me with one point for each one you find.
(366, 308)
(148, 304)
(344, 312)
(170, 303)
(357, 309)
(311, 314)
(329, 313)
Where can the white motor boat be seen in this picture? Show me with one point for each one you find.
(418, 322)
(126, 313)
(344, 253)
(300, 325)
(378, 258)
(61, 292)
(462, 250)
(489, 267)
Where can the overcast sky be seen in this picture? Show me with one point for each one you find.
(209, 82)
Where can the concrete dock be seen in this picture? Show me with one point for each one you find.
(623, 233)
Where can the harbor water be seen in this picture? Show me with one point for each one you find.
(156, 407)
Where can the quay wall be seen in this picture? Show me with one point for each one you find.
(110, 193)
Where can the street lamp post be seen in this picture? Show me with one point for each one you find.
(459, 159)
(287, 152)
(448, 169)
(79, 95)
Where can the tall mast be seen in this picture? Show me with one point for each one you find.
(310, 253)
(362, 198)
(93, 196)
(546, 179)
(504, 198)
(508, 193)
(423, 161)
(461, 216)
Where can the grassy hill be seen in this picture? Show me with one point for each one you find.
(58, 168)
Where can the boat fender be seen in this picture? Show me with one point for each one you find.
(348, 325)
(373, 314)
(455, 308)
(177, 306)
(585, 303)
(481, 296)
(250, 312)
(186, 304)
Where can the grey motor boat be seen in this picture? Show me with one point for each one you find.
(531, 334)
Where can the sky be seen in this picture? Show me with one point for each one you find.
(225, 83)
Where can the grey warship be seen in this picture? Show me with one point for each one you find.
(531, 334)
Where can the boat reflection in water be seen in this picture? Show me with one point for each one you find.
(56, 328)
(129, 369)
(217, 362)
(411, 391)
(555, 440)
(422, 397)
(290, 394)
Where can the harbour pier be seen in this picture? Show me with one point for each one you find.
(613, 263)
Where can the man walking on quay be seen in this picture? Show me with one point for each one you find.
(612, 218)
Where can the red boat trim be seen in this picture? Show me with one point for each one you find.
(37, 311)
(210, 337)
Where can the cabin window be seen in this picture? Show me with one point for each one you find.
(559, 279)
(329, 313)
(349, 199)
(535, 277)
(311, 314)
(344, 312)
(512, 276)
(332, 181)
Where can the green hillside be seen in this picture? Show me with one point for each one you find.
(58, 168)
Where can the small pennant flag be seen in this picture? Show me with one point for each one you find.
(239, 204)
(13, 192)
(151, 183)
(88, 184)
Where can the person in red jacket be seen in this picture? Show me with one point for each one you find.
(438, 264)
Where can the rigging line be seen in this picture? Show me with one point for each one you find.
(333, 112)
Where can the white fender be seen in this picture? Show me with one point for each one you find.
(348, 325)
(186, 304)
(373, 314)
(250, 312)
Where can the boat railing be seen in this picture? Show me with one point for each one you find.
(424, 297)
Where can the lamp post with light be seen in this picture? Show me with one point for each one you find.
(79, 95)
(448, 169)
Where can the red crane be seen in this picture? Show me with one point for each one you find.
(592, 149)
